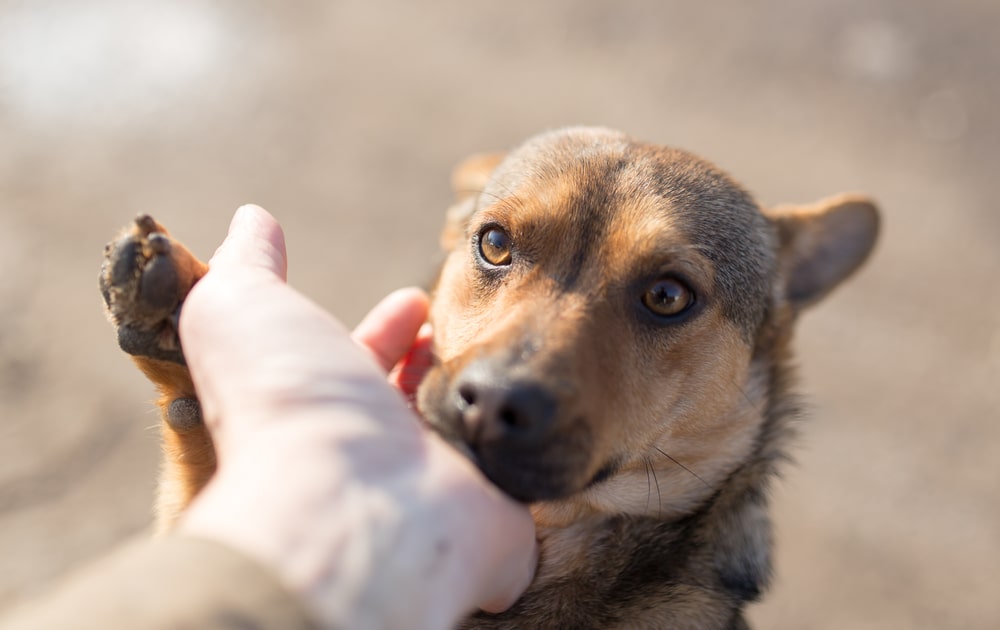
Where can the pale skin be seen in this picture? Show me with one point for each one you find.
(325, 474)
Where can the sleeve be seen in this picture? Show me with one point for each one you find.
(177, 582)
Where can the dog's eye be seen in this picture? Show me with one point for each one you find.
(668, 297)
(494, 247)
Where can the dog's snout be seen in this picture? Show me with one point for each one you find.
(520, 429)
(497, 410)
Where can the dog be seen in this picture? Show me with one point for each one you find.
(612, 345)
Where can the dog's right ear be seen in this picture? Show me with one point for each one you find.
(467, 180)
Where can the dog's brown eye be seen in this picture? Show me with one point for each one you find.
(494, 246)
(668, 297)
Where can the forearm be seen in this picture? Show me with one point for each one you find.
(175, 582)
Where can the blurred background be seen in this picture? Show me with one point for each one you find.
(344, 119)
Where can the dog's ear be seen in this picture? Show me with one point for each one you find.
(467, 180)
(473, 173)
(821, 244)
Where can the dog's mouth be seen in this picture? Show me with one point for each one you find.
(604, 473)
(527, 476)
(528, 467)
(544, 474)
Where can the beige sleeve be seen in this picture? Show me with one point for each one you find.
(176, 582)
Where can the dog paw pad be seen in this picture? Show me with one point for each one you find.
(184, 414)
(144, 279)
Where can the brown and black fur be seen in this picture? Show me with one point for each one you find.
(644, 441)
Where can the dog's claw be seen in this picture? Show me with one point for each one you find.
(145, 223)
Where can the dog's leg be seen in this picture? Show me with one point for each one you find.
(144, 280)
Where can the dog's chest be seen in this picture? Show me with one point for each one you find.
(622, 572)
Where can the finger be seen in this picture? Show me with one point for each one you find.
(257, 349)
(515, 554)
(522, 571)
(390, 328)
(242, 330)
(495, 540)
(411, 369)
(255, 240)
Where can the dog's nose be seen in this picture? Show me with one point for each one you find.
(494, 409)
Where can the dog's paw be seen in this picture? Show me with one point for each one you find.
(144, 279)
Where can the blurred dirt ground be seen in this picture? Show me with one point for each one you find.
(345, 118)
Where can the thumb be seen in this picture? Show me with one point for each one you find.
(253, 343)
(255, 240)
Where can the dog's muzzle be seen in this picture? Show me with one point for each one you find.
(519, 432)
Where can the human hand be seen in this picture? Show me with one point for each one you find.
(324, 473)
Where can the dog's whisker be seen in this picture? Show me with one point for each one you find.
(693, 474)
(744, 393)
(647, 465)
(651, 471)
(746, 397)
(659, 497)
(476, 192)
(512, 196)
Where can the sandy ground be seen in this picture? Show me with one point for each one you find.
(344, 119)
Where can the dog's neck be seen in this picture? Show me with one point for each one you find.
(726, 528)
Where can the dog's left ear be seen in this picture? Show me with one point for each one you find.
(467, 180)
(821, 244)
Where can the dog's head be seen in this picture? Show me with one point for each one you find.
(604, 318)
